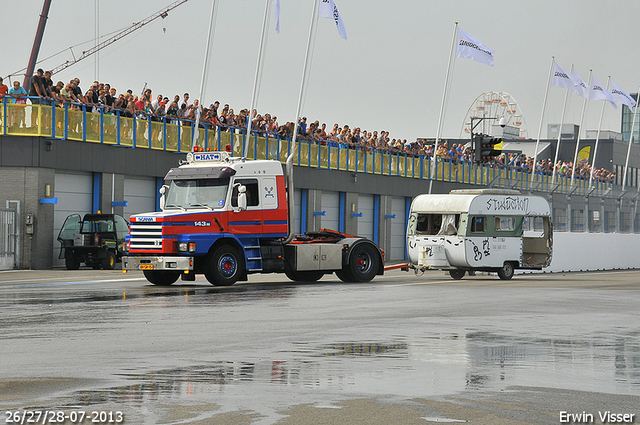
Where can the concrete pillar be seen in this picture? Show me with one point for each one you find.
(314, 204)
(111, 190)
(384, 235)
(351, 207)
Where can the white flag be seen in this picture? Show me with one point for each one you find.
(581, 87)
(619, 96)
(471, 48)
(328, 9)
(562, 78)
(277, 16)
(600, 93)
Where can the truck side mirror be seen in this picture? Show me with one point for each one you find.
(242, 198)
(162, 191)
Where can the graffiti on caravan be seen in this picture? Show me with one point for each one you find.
(508, 203)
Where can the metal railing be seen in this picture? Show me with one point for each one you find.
(75, 122)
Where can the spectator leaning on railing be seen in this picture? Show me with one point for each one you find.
(102, 97)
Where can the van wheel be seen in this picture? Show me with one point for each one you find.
(72, 262)
(224, 266)
(161, 277)
(109, 262)
(506, 272)
(457, 274)
(363, 263)
(304, 276)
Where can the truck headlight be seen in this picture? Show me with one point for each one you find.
(183, 246)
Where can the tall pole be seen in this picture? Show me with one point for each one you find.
(35, 50)
(595, 151)
(564, 108)
(304, 78)
(633, 129)
(442, 107)
(254, 92)
(584, 108)
(205, 67)
(544, 105)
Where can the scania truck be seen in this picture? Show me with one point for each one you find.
(228, 217)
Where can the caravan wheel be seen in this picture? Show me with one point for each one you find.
(506, 272)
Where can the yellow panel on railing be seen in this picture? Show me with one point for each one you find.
(126, 131)
(172, 137)
(142, 133)
(93, 127)
(262, 148)
(324, 156)
(368, 156)
(333, 157)
(109, 125)
(75, 124)
(314, 155)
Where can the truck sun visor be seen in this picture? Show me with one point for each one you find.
(199, 173)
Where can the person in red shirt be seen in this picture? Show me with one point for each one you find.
(3, 89)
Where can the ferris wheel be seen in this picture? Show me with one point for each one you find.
(497, 105)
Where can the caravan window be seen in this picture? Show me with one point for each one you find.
(533, 224)
(505, 223)
(478, 224)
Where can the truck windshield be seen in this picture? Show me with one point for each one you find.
(197, 193)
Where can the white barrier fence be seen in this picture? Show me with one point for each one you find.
(594, 251)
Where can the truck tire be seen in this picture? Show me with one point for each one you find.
(344, 275)
(363, 263)
(161, 277)
(304, 276)
(457, 274)
(224, 266)
(72, 262)
(95, 266)
(109, 262)
(506, 272)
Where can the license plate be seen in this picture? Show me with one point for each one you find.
(145, 267)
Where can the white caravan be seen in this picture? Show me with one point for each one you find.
(479, 229)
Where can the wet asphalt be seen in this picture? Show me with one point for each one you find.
(401, 349)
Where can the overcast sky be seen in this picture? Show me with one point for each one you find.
(389, 75)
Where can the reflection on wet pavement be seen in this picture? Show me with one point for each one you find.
(259, 351)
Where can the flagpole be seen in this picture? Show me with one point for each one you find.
(304, 76)
(584, 108)
(544, 105)
(564, 108)
(256, 77)
(442, 107)
(195, 133)
(595, 151)
(633, 128)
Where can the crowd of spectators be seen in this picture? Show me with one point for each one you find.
(101, 96)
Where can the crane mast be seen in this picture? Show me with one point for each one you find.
(136, 26)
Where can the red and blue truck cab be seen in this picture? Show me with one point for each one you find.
(229, 217)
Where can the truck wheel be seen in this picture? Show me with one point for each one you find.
(506, 272)
(457, 274)
(344, 275)
(363, 263)
(304, 276)
(161, 277)
(224, 266)
(72, 262)
(109, 262)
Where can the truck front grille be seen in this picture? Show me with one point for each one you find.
(146, 236)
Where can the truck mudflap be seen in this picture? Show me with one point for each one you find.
(172, 263)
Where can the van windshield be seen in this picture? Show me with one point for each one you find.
(197, 193)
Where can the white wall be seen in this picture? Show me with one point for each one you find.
(594, 251)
